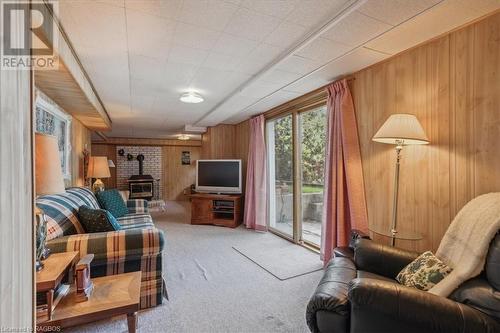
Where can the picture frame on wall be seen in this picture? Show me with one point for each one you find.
(53, 121)
(186, 158)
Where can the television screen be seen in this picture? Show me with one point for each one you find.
(218, 175)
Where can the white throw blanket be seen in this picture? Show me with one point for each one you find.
(466, 242)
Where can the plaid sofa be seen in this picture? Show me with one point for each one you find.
(137, 246)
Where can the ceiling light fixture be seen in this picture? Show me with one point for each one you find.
(191, 97)
(183, 137)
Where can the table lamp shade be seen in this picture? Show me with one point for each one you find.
(48, 172)
(98, 167)
(401, 127)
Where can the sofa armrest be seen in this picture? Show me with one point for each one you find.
(331, 292)
(381, 259)
(414, 308)
(112, 245)
(137, 206)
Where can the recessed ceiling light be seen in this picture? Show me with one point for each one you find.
(183, 137)
(191, 97)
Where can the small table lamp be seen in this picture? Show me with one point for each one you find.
(48, 180)
(98, 168)
(400, 130)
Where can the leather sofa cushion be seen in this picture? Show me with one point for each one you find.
(479, 294)
(492, 266)
(368, 275)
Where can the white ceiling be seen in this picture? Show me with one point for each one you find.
(243, 56)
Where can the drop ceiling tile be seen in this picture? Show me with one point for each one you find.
(298, 64)
(149, 35)
(104, 25)
(314, 13)
(395, 11)
(195, 37)
(260, 89)
(286, 35)
(350, 63)
(211, 14)
(251, 25)
(187, 55)
(281, 77)
(220, 62)
(423, 27)
(259, 58)
(234, 46)
(276, 8)
(230, 107)
(323, 50)
(356, 29)
(146, 68)
(168, 9)
(176, 77)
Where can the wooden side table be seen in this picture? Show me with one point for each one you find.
(112, 295)
(49, 278)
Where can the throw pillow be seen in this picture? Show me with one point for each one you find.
(97, 220)
(112, 201)
(424, 272)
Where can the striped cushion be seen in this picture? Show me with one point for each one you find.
(62, 211)
(133, 221)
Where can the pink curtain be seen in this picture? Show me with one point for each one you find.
(256, 190)
(344, 204)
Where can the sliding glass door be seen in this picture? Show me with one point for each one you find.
(312, 132)
(280, 160)
(296, 155)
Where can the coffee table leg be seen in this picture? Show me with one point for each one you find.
(50, 302)
(132, 322)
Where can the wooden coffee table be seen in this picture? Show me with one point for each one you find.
(113, 295)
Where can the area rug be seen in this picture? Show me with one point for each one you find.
(279, 257)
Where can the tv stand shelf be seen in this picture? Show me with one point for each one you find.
(217, 209)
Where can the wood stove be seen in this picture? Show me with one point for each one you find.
(141, 186)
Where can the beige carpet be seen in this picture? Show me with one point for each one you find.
(279, 257)
(213, 288)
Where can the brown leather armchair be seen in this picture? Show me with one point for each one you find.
(361, 295)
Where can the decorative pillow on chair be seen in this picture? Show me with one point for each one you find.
(97, 220)
(424, 272)
(112, 201)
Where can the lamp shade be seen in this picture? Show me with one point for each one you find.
(111, 164)
(401, 128)
(98, 167)
(48, 173)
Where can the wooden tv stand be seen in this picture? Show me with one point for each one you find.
(216, 209)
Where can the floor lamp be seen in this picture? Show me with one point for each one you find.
(400, 130)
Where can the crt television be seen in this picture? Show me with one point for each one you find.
(218, 176)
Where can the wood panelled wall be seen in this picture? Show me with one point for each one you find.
(80, 141)
(242, 138)
(178, 177)
(452, 85)
(218, 142)
(16, 197)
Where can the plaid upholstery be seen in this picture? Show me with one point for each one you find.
(62, 211)
(122, 251)
(137, 206)
(137, 246)
(134, 221)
